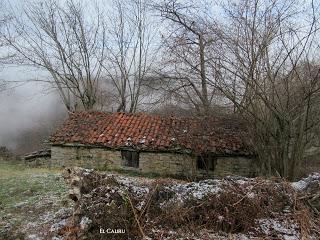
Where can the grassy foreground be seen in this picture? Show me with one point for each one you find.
(30, 200)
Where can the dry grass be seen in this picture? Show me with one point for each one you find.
(233, 210)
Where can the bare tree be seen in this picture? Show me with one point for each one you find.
(261, 60)
(188, 41)
(67, 43)
(269, 69)
(4, 54)
(131, 53)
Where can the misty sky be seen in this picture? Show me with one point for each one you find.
(28, 105)
(25, 106)
(31, 103)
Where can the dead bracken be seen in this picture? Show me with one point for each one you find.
(250, 208)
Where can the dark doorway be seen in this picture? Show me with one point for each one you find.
(206, 162)
(130, 158)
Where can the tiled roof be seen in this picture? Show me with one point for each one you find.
(152, 133)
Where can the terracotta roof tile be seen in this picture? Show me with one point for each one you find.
(153, 133)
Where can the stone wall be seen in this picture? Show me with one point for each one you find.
(39, 162)
(235, 166)
(167, 163)
(85, 157)
(149, 162)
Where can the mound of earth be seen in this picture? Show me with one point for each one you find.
(110, 206)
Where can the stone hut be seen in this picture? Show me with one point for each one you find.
(153, 144)
(38, 158)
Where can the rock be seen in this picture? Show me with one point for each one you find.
(311, 187)
(33, 237)
(20, 205)
(57, 226)
(84, 223)
(57, 238)
(62, 213)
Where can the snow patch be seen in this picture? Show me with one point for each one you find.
(304, 183)
(288, 230)
(299, 185)
(197, 190)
